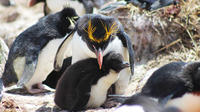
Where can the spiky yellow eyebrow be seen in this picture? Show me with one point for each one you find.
(90, 30)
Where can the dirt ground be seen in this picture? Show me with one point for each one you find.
(15, 19)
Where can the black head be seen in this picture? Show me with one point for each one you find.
(115, 61)
(67, 17)
(192, 70)
(97, 31)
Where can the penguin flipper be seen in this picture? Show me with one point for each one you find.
(127, 43)
(59, 58)
(29, 69)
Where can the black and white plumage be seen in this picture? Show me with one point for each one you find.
(95, 36)
(173, 79)
(142, 103)
(83, 85)
(152, 4)
(139, 103)
(32, 54)
(81, 6)
(54, 76)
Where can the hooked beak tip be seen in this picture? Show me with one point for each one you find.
(99, 56)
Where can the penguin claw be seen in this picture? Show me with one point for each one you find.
(35, 91)
(39, 89)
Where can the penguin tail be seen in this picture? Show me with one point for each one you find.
(9, 76)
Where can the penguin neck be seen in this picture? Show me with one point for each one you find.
(81, 50)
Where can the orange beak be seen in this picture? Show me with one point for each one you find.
(99, 55)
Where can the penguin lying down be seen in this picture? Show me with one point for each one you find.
(32, 54)
(83, 85)
(141, 103)
(168, 82)
(173, 79)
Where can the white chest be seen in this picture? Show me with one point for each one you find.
(81, 51)
(45, 62)
(99, 91)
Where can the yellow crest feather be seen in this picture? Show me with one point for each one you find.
(90, 30)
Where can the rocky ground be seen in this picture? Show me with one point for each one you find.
(15, 19)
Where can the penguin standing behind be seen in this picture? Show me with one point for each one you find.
(81, 6)
(83, 85)
(152, 4)
(174, 80)
(93, 37)
(32, 54)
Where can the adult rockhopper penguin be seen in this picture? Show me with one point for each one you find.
(173, 80)
(81, 6)
(94, 36)
(152, 4)
(32, 54)
(84, 85)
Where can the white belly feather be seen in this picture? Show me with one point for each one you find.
(45, 62)
(58, 5)
(99, 91)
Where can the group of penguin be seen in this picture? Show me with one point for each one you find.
(88, 57)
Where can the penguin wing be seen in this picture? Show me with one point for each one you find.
(61, 51)
(29, 69)
(128, 44)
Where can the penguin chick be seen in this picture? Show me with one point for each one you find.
(173, 79)
(54, 76)
(152, 4)
(32, 54)
(94, 36)
(83, 85)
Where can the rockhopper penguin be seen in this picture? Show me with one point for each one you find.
(152, 4)
(142, 103)
(94, 36)
(81, 6)
(174, 79)
(32, 54)
(83, 85)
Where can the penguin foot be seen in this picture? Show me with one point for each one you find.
(37, 88)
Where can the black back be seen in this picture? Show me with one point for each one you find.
(167, 80)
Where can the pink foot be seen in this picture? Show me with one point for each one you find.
(39, 88)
